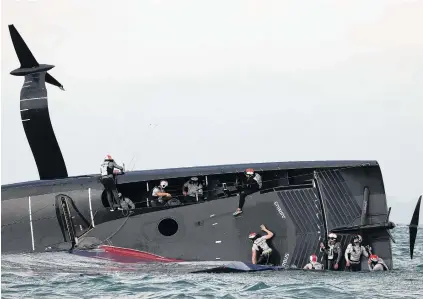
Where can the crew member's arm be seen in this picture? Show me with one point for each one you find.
(163, 194)
(383, 263)
(185, 186)
(158, 193)
(323, 248)
(239, 184)
(365, 251)
(258, 180)
(369, 263)
(200, 189)
(347, 251)
(269, 233)
(114, 165)
(253, 256)
(338, 259)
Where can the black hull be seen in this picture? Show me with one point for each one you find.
(300, 218)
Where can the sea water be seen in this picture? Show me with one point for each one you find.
(61, 275)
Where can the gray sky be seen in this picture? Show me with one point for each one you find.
(219, 82)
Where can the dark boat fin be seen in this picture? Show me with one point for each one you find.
(52, 81)
(414, 226)
(367, 227)
(390, 236)
(389, 213)
(387, 225)
(27, 59)
(25, 56)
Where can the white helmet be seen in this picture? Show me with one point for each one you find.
(163, 184)
(332, 236)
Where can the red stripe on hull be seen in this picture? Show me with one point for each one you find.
(142, 255)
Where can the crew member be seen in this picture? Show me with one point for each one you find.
(251, 182)
(377, 264)
(260, 245)
(314, 264)
(159, 195)
(126, 203)
(353, 253)
(333, 251)
(192, 190)
(108, 179)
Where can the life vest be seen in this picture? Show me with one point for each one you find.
(354, 253)
(380, 262)
(152, 197)
(333, 251)
(105, 170)
(257, 178)
(316, 266)
(261, 243)
(330, 252)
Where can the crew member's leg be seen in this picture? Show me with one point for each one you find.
(355, 267)
(189, 199)
(242, 196)
(263, 259)
(330, 264)
(107, 182)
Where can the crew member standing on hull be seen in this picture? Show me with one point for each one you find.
(108, 180)
(260, 244)
(333, 251)
(377, 264)
(250, 183)
(353, 253)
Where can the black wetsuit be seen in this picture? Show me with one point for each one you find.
(108, 180)
(247, 186)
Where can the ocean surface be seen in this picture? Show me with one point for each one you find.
(61, 275)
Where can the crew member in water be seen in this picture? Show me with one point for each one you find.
(377, 264)
(192, 190)
(260, 245)
(314, 264)
(158, 194)
(108, 179)
(251, 182)
(354, 252)
(332, 251)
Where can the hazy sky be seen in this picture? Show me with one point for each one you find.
(184, 83)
